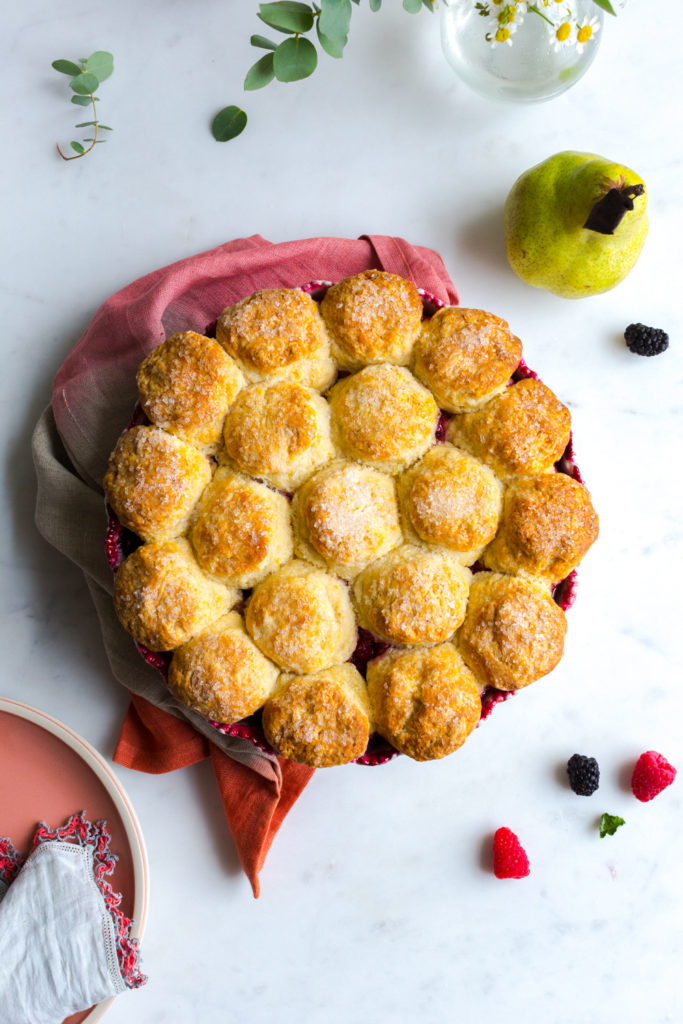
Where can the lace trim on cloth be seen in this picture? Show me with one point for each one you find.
(10, 863)
(82, 832)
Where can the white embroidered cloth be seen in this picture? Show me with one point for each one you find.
(60, 948)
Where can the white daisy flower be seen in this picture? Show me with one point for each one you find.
(562, 36)
(585, 32)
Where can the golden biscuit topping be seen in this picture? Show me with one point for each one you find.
(452, 500)
(372, 317)
(186, 386)
(350, 513)
(383, 415)
(271, 329)
(465, 356)
(412, 596)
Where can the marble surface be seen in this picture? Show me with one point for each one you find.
(378, 899)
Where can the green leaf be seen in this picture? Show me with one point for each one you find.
(375, 5)
(329, 45)
(84, 84)
(287, 16)
(76, 146)
(606, 6)
(263, 43)
(228, 123)
(105, 127)
(429, 4)
(86, 124)
(295, 59)
(333, 25)
(609, 823)
(67, 67)
(412, 6)
(260, 74)
(81, 101)
(100, 64)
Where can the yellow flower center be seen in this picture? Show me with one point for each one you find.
(584, 34)
(502, 35)
(563, 31)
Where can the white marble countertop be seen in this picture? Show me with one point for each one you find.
(377, 901)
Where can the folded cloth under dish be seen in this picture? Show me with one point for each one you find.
(93, 395)
(65, 945)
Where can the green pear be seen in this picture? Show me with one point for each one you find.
(575, 224)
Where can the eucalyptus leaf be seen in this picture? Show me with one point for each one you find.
(429, 4)
(86, 124)
(412, 6)
(260, 74)
(100, 64)
(606, 6)
(334, 22)
(67, 67)
(287, 16)
(330, 46)
(375, 5)
(105, 127)
(76, 146)
(263, 43)
(228, 123)
(84, 84)
(295, 59)
(81, 101)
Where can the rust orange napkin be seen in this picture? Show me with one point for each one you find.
(93, 396)
(153, 741)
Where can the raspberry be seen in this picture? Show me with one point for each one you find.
(646, 341)
(584, 774)
(651, 775)
(509, 857)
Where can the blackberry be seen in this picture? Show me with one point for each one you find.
(646, 341)
(584, 774)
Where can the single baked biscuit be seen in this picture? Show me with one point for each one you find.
(162, 597)
(241, 531)
(278, 431)
(187, 385)
(301, 617)
(412, 596)
(522, 431)
(221, 674)
(425, 702)
(465, 356)
(345, 516)
(547, 526)
(153, 482)
(372, 317)
(383, 417)
(449, 499)
(278, 332)
(513, 632)
(320, 720)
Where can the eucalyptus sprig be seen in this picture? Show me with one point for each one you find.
(86, 75)
(296, 56)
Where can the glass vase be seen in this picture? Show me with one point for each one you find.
(533, 64)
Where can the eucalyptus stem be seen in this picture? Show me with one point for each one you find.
(93, 143)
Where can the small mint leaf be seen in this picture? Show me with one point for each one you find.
(609, 823)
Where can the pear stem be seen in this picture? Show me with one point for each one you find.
(606, 215)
